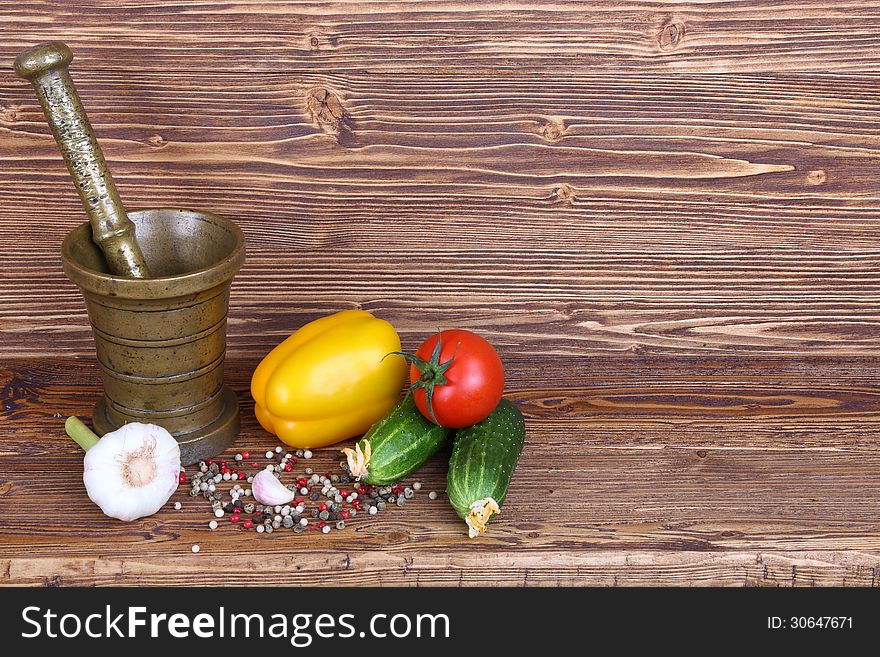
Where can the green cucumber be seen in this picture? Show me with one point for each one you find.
(396, 446)
(483, 458)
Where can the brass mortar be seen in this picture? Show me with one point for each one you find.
(161, 341)
(156, 285)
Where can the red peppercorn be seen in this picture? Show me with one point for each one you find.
(293, 459)
(288, 468)
(299, 500)
(323, 507)
(322, 524)
(209, 462)
(344, 493)
(182, 478)
(346, 515)
(225, 471)
(234, 517)
(245, 455)
(247, 524)
(302, 481)
(241, 474)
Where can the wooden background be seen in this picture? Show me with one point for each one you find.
(663, 214)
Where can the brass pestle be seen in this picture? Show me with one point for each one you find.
(45, 66)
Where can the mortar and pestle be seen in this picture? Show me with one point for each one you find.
(155, 282)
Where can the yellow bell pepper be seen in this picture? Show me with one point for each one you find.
(330, 380)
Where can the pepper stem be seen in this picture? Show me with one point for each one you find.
(83, 436)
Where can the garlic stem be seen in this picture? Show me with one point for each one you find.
(83, 436)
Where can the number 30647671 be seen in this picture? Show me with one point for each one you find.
(820, 622)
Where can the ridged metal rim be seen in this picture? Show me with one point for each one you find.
(163, 287)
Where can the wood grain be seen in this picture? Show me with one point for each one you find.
(506, 38)
(633, 501)
(687, 230)
(663, 214)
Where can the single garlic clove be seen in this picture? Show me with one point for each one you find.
(267, 489)
(132, 472)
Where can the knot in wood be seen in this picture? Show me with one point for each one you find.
(817, 177)
(564, 193)
(326, 110)
(670, 35)
(9, 114)
(551, 130)
(156, 141)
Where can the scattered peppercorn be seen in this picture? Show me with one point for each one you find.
(341, 503)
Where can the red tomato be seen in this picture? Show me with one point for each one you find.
(464, 379)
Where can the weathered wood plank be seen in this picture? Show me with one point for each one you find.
(616, 402)
(663, 214)
(699, 492)
(623, 224)
(514, 568)
(501, 38)
(787, 141)
(542, 302)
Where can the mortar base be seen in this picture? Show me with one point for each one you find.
(203, 443)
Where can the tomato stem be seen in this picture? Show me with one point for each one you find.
(432, 373)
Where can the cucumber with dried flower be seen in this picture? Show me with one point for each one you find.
(483, 459)
(396, 446)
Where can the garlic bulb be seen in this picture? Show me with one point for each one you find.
(267, 489)
(131, 472)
